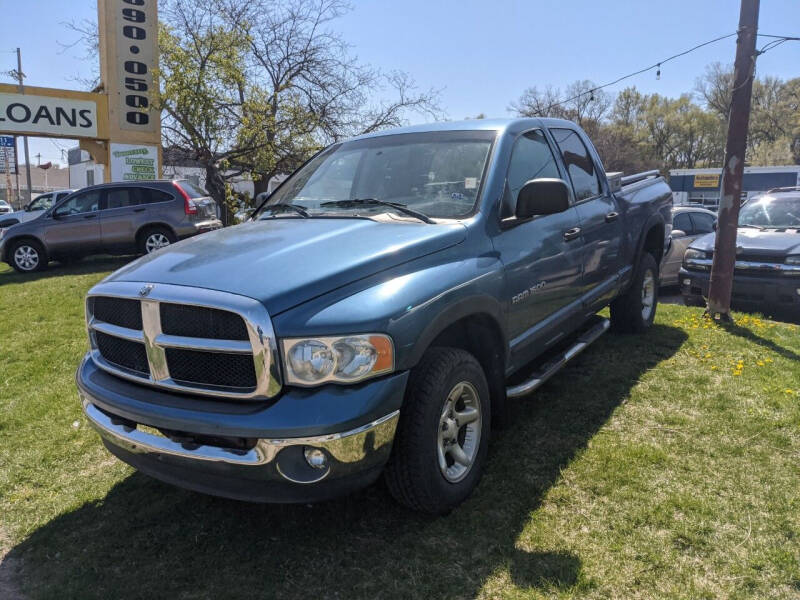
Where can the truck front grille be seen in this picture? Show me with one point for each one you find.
(123, 353)
(117, 311)
(210, 368)
(184, 339)
(203, 322)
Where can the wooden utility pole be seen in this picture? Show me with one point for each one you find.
(721, 284)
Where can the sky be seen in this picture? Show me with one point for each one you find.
(481, 55)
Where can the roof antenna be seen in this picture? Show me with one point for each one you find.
(658, 72)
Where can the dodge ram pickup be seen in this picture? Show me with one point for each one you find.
(374, 314)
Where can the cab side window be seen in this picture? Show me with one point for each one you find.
(531, 158)
(579, 163)
(683, 222)
(80, 203)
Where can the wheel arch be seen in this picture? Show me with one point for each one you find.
(154, 225)
(12, 241)
(475, 327)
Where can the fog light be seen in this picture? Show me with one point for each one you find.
(798, 291)
(316, 458)
(687, 282)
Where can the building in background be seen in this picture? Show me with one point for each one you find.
(702, 186)
(42, 180)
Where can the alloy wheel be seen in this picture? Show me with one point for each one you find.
(459, 432)
(155, 241)
(26, 257)
(648, 294)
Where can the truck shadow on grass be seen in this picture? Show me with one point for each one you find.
(147, 539)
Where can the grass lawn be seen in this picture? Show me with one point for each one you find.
(663, 465)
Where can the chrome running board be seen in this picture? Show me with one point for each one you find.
(554, 366)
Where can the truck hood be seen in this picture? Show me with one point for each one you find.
(283, 262)
(769, 242)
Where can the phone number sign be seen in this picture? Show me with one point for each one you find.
(136, 28)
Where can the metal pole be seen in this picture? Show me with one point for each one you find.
(721, 284)
(16, 175)
(20, 76)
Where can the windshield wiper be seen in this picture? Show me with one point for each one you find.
(285, 206)
(402, 208)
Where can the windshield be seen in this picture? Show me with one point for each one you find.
(437, 174)
(769, 211)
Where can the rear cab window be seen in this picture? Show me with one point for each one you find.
(580, 166)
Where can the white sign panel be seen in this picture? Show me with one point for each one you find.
(133, 162)
(136, 28)
(42, 114)
(8, 154)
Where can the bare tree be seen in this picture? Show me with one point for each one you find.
(304, 89)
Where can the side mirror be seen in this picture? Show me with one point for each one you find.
(542, 197)
(677, 233)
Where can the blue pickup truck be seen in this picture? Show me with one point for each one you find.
(374, 314)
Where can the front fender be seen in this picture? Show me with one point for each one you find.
(412, 307)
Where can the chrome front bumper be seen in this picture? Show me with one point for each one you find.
(248, 474)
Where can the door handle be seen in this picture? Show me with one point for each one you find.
(571, 234)
(89, 216)
(138, 210)
(612, 216)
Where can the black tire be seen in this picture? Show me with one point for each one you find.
(628, 314)
(413, 474)
(36, 256)
(148, 237)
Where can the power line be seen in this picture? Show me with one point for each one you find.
(769, 46)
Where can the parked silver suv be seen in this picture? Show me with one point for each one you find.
(111, 218)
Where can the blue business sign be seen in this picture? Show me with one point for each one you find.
(8, 154)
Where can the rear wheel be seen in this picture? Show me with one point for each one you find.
(28, 256)
(443, 433)
(154, 239)
(635, 311)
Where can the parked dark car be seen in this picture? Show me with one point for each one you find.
(110, 218)
(374, 315)
(767, 268)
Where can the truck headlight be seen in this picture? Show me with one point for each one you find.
(343, 359)
(793, 259)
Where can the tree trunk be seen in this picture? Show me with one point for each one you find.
(259, 186)
(215, 185)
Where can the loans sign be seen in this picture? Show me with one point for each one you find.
(46, 115)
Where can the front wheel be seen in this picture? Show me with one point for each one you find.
(154, 239)
(443, 434)
(28, 256)
(635, 311)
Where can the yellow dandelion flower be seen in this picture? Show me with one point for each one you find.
(760, 363)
